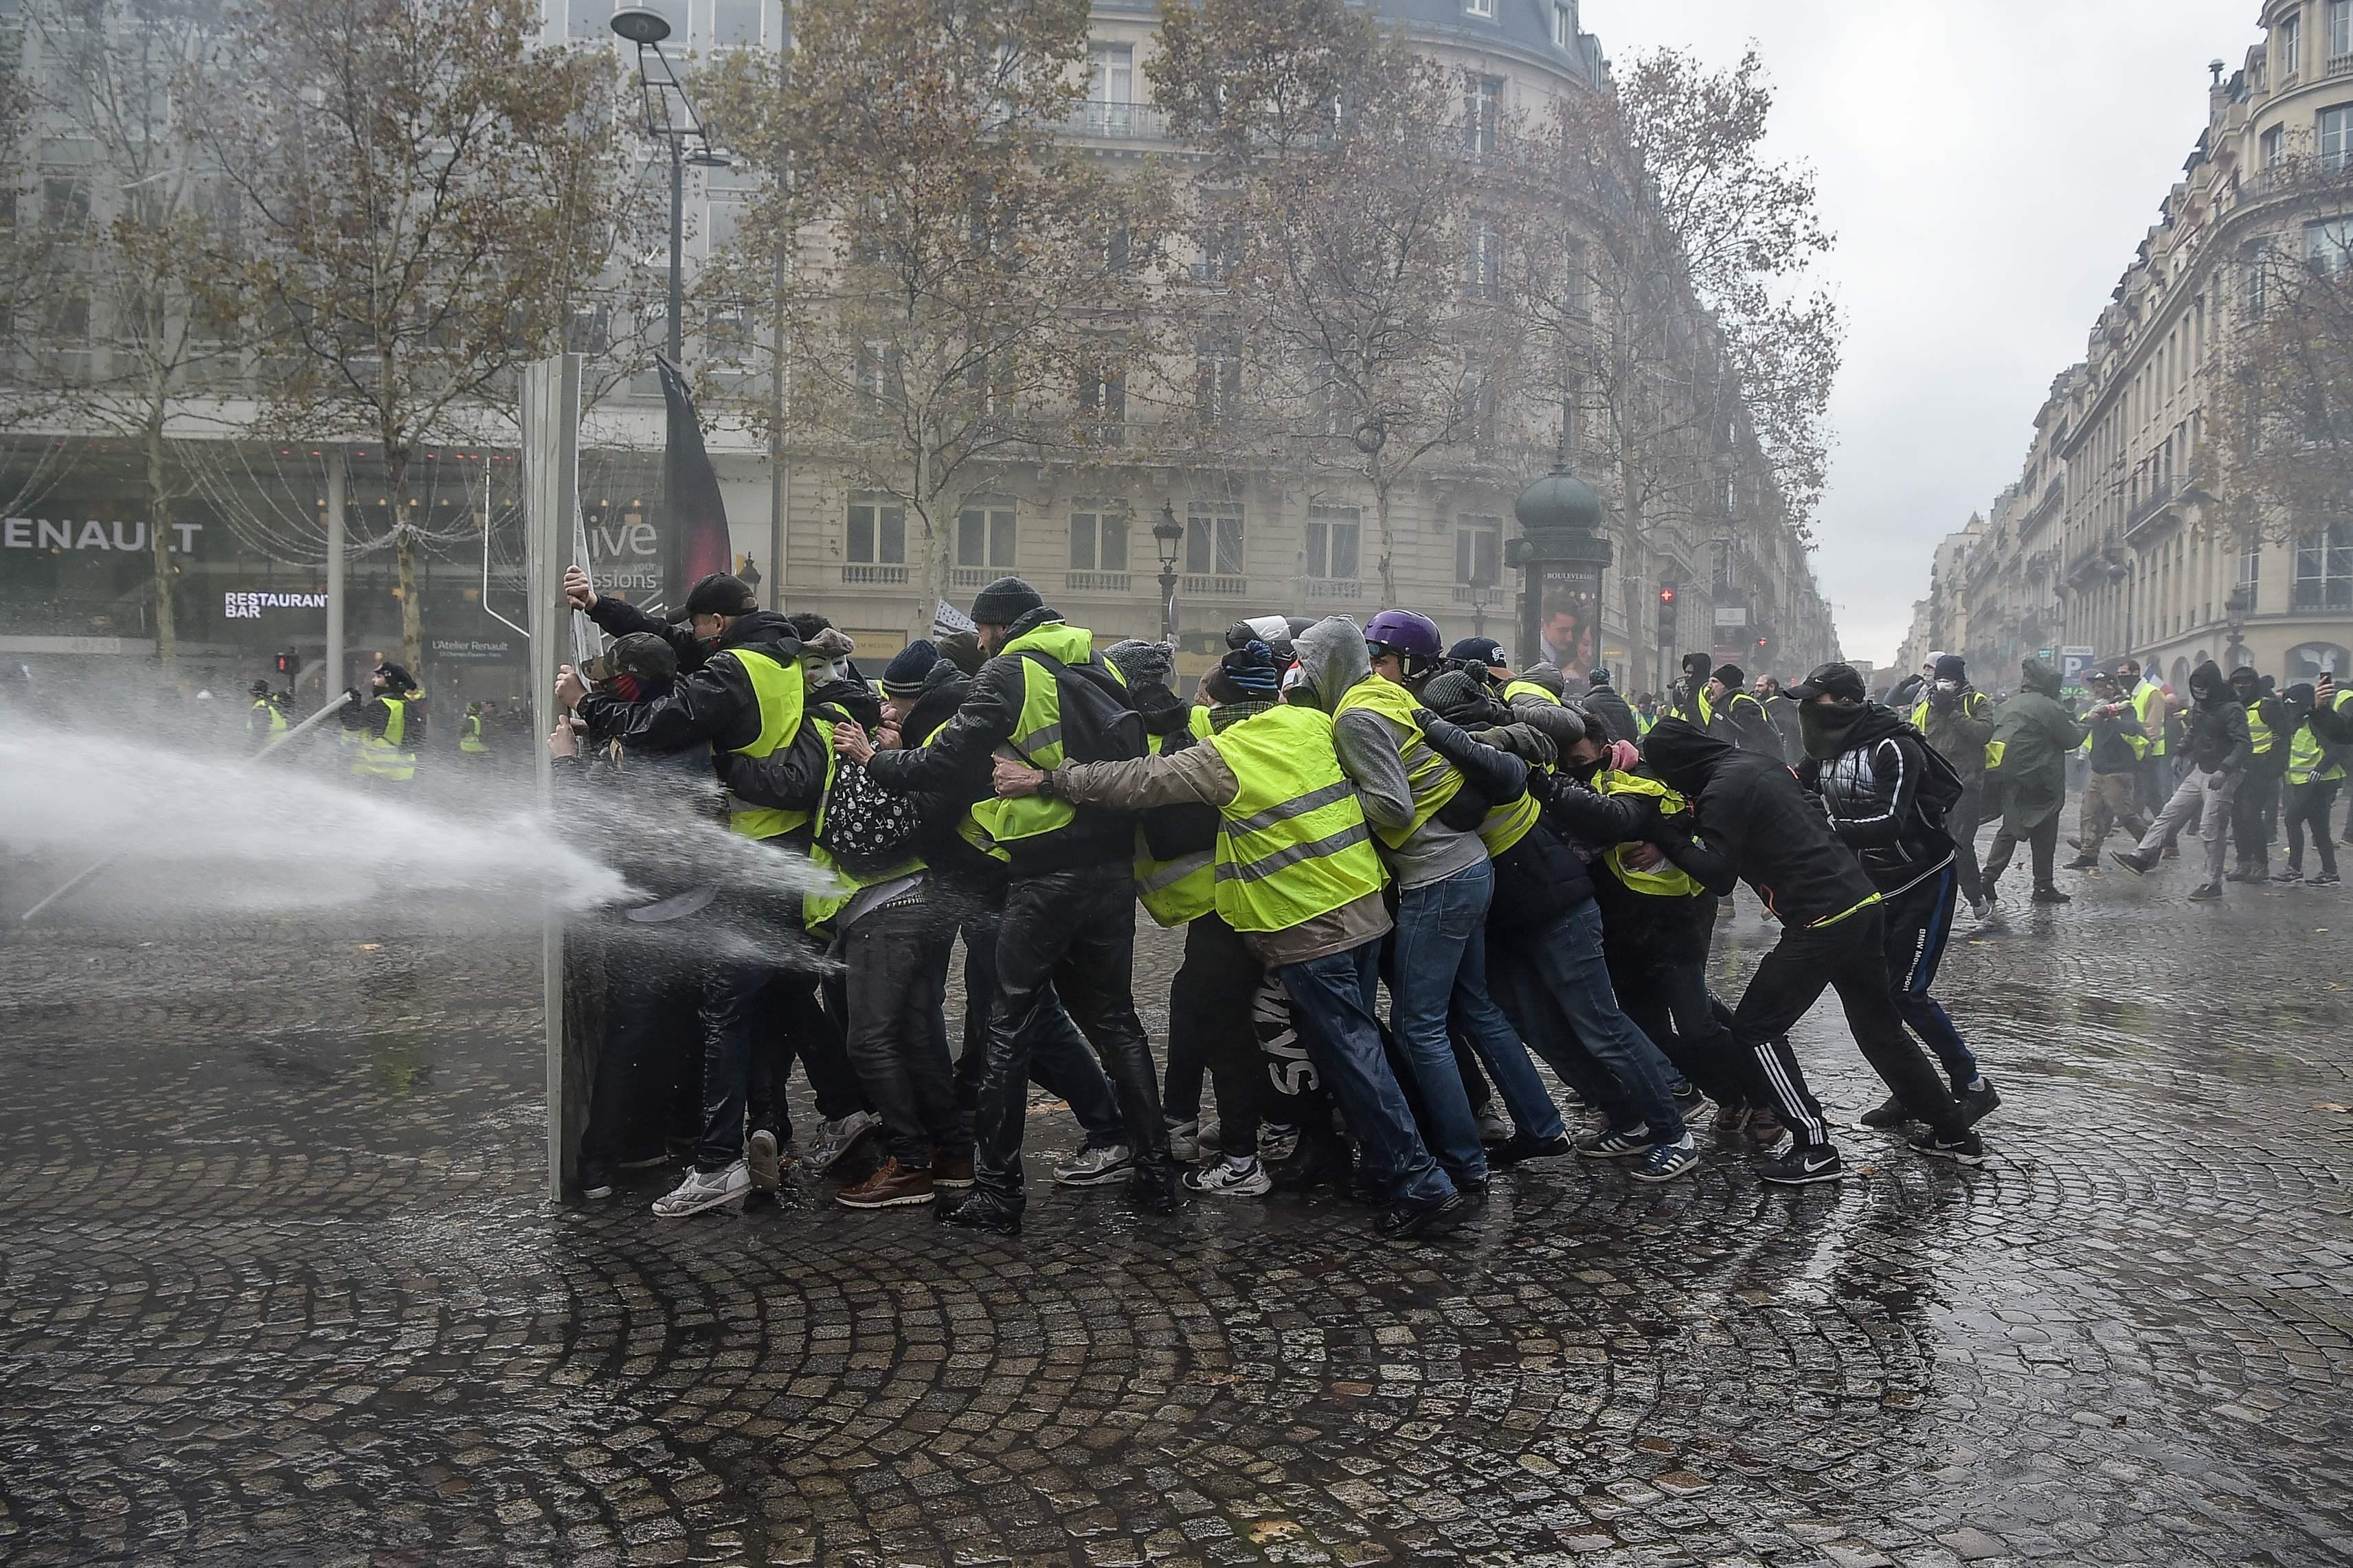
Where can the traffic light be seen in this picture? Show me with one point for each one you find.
(288, 663)
(1667, 615)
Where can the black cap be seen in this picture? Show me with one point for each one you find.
(1843, 682)
(1951, 667)
(721, 594)
(642, 654)
(1478, 650)
(1733, 676)
(260, 688)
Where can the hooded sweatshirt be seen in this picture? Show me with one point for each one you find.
(1755, 825)
(712, 703)
(2272, 710)
(2218, 723)
(2035, 737)
(1332, 658)
(1867, 765)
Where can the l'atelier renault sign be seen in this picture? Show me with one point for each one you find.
(46, 534)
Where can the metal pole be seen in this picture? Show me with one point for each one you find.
(677, 252)
(337, 677)
(1169, 604)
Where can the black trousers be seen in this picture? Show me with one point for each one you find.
(1962, 824)
(794, 1022)
(896, 963)
(1668, 1000)
(2043, 842)
(2251, 810)
(2308, 808)
(644, 1054)
(1072, 933)
(1060, 1061)
(1848, 957)
(1209, 1012)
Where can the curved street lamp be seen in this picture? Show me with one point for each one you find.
(1168, 534)
(671, 117)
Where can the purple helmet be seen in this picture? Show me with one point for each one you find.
(1401, 631)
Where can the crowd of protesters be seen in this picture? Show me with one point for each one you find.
(1531, 869)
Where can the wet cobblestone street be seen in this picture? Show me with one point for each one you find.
(278, 1285)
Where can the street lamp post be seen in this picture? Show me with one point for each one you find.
(670, 117)
(1168, 534)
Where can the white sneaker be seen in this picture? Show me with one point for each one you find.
(835, 1139)
(1494, 1127)
(1096, 1167)
(1185, 1140)
(763, 1158)
(1230, 1177)
(705, 1190)
(1277, 1142)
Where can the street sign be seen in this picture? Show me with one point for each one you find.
(1732, 616)
(2074, 663)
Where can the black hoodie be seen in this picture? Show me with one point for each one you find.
(712, 703)
(1756, 825)
(1868, 765)
(2273, 712)
(2218, 723)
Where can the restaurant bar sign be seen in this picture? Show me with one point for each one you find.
(253, 606)
(64, 533)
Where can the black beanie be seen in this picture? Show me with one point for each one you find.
(1731, 675)
(1004, 602)
(904, 676)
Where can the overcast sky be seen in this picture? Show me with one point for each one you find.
(1989, 169)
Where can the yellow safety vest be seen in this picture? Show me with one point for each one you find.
(819, 906)
(1665, 881)
(2305, 753)
(277, 719)
(470, 738)
(1517, 689)
(1434, 780)
(1037, 738)
(1293, 844)
(2259, 731)
(780, 689)
(1197, 720)
(1972, 706)
(385, 756)
(1174, 892)
(2148, 691)
(1506, 824)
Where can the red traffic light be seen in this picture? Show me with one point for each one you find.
(1666, 595)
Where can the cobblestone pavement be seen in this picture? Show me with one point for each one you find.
(276, 1287)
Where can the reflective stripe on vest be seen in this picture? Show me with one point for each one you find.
(1972, 706)
(2305, 752)
(1666, 879)
(1293, 844)
(277, 719)
(1037, 738)
(780, 688)
(1506, 824)
(1514, 688)
(385, 756)
(2258, 729)
(470, 738)
(1433, 779)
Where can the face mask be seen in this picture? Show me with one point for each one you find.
(1824, 726)
(1948, 687)
(624, 687)
(841, 670)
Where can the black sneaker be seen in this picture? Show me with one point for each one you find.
(1688, 1100)
(2050, 896)
(1966, 1149)
(1887, 1113)
(1522, 1146)
(1414, 1215)
(1803, 1166)
(2206, 892)
(2288, 874)
(2133, 860)
(1313, 1163)
(1978, 1103)
(2083, 863)
(2321, 879)
(977, 1210)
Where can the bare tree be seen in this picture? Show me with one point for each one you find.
(426, 200)
(1352, 204)
(955, 272)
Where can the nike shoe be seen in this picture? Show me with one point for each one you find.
(1096, 1167)
(1803, 1166)
(1233, 1176)
(1276, 1141)
(1887, 1113)
(1978, 1103)
(705, 1190)
(1966, 1149)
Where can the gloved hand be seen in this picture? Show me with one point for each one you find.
(1523, 741)
(1942, 699)
(352, 698)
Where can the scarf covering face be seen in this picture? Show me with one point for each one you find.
(1830, 727)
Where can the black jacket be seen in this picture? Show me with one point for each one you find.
(1756, 825)
(2217, 741)
(1782, 715)
(1537, 879)
(982, 723)
(1604, 702)
(2111, 747)
(711, 704)
(1872, 791)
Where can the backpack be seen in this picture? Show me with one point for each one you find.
(1100, 723)
(867, 829)
(1941, 785)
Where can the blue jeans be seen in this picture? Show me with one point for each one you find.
(1334, 994)
(1439, 947)
(1566, 957)
(1529, 1003)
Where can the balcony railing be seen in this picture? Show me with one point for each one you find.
(1334, 588)
(858, 573)
(1097, 582)
(2152, 505)
(1218, 587)
(1117, 123)
(974, 576)
(2338, 65)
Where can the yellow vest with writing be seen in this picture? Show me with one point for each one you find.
(1293, 844)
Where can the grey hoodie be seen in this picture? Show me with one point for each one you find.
(1332, 657)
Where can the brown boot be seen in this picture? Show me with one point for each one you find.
(889, 1187)
(951, 1169)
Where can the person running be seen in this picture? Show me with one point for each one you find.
(1887, 794)
(1756, 825)
(2218, 750)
